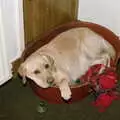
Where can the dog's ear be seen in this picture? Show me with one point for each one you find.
(50, 59)
(22, 71)
(52, 62)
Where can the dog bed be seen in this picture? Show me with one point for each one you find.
(79, 91)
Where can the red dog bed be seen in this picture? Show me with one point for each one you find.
(52, 95)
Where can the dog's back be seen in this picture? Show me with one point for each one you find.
(76, 49)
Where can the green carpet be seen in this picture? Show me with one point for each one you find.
(18, 102)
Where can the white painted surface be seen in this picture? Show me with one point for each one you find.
(103, 12)
(5, 67)
(11, 36)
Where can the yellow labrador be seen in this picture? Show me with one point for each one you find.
(67, 57)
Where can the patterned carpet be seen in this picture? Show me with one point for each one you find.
(18, 102)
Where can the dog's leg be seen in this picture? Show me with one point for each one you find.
(63, 84)
(65, 89)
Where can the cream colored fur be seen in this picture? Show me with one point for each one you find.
(68, 56)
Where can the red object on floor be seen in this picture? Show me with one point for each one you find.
(104, 101)
(103, 84)
(108, 80)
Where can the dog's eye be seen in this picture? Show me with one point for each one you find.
(47, 66)
(36, 72)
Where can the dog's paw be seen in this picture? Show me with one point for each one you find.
(66, 95)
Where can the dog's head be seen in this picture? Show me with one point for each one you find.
(40, 69)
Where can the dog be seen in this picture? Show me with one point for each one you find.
(67, 57)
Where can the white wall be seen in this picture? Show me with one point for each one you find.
(11, 35)
(104, 12)
(11, 20)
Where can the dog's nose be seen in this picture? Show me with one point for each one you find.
(50, 80)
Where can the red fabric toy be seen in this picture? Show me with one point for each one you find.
(104, 100)
(103, 85)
